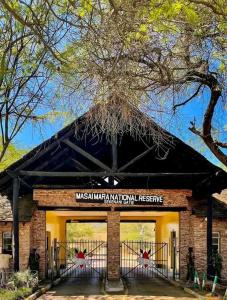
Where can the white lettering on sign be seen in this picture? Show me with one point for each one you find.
(125, 199)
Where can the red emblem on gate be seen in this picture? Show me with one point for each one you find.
(145, 257)
(80, 255)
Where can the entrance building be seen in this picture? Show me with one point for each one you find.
(164, 233)
(73, 178)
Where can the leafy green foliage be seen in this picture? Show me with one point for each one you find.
(150, 55)
(21, 293)
(98, 231)
(23, 279)
(77, 231)
(12, 154)
(138, 231)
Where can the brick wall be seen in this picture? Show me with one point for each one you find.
(66, 198)
(172, 198)
(200, 242)
(38, 237)
(24, 244)
(24, 240)
(192, 229)
(185, 240)
(31, 235)
(4, 227)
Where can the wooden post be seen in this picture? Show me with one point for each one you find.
(114, 153)
(209, 235)
(174, 253)
(114, 158)
(16, 223)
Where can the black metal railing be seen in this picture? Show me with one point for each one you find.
(81, 258)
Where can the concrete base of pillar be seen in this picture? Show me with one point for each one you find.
(114, 286)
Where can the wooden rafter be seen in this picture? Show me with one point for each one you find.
(38, 155)
(114, 158)
(135, 159)
(79, 165)
(114, 153)
(87, 155)
(82, 167)
(51, 160)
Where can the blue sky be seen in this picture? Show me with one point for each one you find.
(178, 125)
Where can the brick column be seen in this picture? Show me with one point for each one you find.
(200, 245)
(38, 238)
(113, 245)
(24, 246)
(185, 240)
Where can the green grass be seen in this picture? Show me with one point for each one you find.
(21, 293)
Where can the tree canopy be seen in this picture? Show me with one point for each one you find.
(156, 56)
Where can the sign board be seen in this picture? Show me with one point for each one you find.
(124, 199)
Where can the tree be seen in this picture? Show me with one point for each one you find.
(25, 72)
(138, 231)
(137, 52)
(76, 231)
(12, 154)
(153, 55)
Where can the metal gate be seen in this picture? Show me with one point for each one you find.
(80, 258)
(144, 259)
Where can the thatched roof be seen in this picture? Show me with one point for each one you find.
(60, 153)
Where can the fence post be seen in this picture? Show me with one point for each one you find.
(174, 258)
(56, 257)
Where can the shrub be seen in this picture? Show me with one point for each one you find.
(15, 295)
(23, 279)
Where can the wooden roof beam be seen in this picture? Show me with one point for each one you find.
(82, 167)
(135, 159)
(40, 152)
(87, 155)
(103, 174)
(48, 162)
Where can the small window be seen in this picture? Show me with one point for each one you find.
(216, 241)
(7, 243)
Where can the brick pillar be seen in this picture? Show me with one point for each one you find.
(200, 246)
(24, 246)
(113, 245)
(185, 240)
(38, 238)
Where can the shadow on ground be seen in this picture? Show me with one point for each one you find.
(137, 289)
(154, 287)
